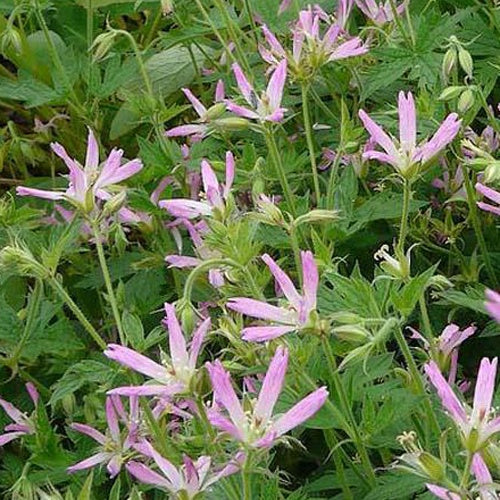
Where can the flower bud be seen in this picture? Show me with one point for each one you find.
(102, 45)
(352, 333)
(11, 40)
(21, 261)
(451, 92)
(465, 101)
(215, 111)
(114, 204)
(432, 466)
(167, 7)
(449, 62)
(270, 212)
(465, 60)
(317, 215)
(492, 172)
(68, 403)
(231, 124)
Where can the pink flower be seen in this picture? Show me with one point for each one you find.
(447, 347)
(113, 447)
(167, 378)
(22, 425)
(215, 194)
(296, 314)
(215, 276)
(309, 45)
(380, 13)
(442, 493)
(258, 428)
(493, 304)
(268, 106)
(187, 481)
(87, 182)
(404, 155)
(200, 129)
(492, 195)
(478, 425)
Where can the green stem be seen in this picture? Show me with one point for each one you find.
(252, 21)
(404, 215)
(296, 251)
(310, 143)
(32, 312)
(108, 283)
(426, 322)
(466, 471)
(246, 480)
(346, 408)
(77, 311)
(473, 215)
(280, 171)
(399, 24)
(330, 198)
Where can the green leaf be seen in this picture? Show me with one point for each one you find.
(86, 491)
(134, 331)
(396, 486)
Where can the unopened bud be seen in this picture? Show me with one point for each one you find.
(167, 7)
(232, 124)
(21, 261)
(449, 62)
(432, 466)
(492, 172)
(11, 39)
(352, 333)
(68, 403)
(317, 215)
(465, 101)
(465, 60)
(102, 45)
(215, 111)
(114, 203)
(271, 212)
(451, 92)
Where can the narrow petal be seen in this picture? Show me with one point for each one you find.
(224, 424)
(220, 91)
(186, 130)
(352, 48)
(186, 208)
(149, 390)
(310, 279)
(244, 85)
(485, 387)
(135, 361)
(197, 105)
(211, 184)
(114, 466)
(198, 337)
(124, 172)
(98, 458)
(285, 283)
(241, 111)
(230, 171)
(169, 470)
(10, 436)
(182, 261)
(488, 192)
(112, 420)
(301, 412)
(33, 393)
(442, 493)
(276, 85)
(407, 122)
(231, 467)
(444, 135)
(272, 385)
(480, 470)
(92, 158)
(224, 393)
(488, 208)
(89, 431)
(492, 304)
(273, 41)
(39, 193)
(15, 414)
(147, 476)
(378, 135)
(176, 340)
(261, 310)
(445, 393)
(264, 333)
(381, 157)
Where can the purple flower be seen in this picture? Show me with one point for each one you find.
(404, 155)
(115, 445)
(187, 481)
(87, 182)
(447, 345)
(380, 13)
(258, 428)
(215, 194)
(200, 129)
(215, 276)
(296, 314)
(310, 46)
(268, 106)
(493, 304)
(443, 493)
(172, 376)
(22, 425)
(492, 195)
(478, 425)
